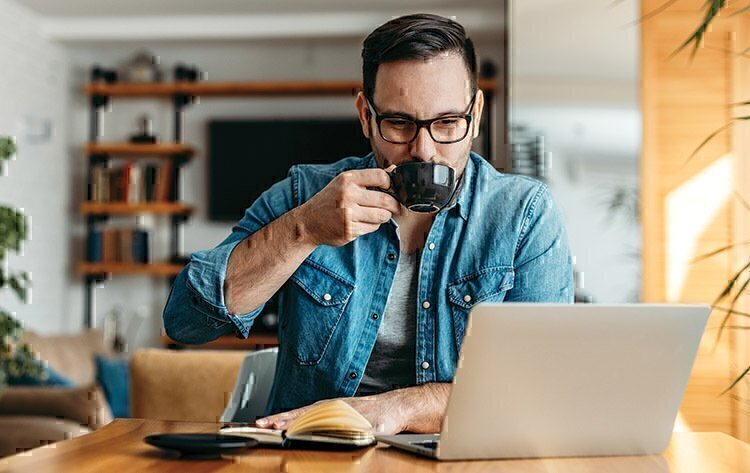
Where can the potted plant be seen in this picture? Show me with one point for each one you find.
(16, 359)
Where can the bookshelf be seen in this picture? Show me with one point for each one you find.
(153, 190)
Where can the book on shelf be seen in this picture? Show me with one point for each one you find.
(133, 183)
(334, 423)
(117, 245)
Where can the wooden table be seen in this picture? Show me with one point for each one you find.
(118, 447)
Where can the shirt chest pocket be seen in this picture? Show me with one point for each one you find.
(487, 285)
(316, 299)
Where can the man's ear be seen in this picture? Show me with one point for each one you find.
(477, 112)
(363, 112)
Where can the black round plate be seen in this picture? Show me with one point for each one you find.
(200, 444)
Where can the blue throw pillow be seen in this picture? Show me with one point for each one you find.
(113, 375)
(50, 378)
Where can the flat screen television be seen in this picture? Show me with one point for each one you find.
(246, 157)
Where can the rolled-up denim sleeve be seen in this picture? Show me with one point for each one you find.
(543, 266)
(196, 311)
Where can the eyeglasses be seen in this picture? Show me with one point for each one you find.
(399, 129)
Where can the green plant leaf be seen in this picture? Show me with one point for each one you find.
(742, 201)
(655, 11)
(735, 312)
(739, 378)
(716, 252)
(734, 300)
(13, 230)
(728, 288)
(7, 147)
(19, 285)
(724, 293)
(740, 11)
(705, 142)
(713, 135)
(713, 7)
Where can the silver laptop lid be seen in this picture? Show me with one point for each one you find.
(540, 380)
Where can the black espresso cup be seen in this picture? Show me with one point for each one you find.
(422, 187)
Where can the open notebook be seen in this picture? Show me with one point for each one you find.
(334, 422)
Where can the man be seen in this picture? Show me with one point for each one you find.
(375, 297)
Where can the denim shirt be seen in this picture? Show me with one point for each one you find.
(501, 240)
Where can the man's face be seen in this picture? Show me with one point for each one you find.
(421, 90)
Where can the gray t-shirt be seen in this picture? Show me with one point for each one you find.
(391, 364)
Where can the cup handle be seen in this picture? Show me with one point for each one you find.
(390, 191)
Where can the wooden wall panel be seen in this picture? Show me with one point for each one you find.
(740, 339)
(687, 207)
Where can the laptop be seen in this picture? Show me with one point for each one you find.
(552, 380)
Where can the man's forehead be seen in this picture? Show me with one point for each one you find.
(436, 85)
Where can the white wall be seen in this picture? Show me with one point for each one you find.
(222, 61)
(34, 91)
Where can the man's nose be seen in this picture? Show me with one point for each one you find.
(423, 146)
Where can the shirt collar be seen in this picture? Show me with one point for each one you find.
(463, 202)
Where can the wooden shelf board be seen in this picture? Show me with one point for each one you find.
(154, 269)
(234, 89)
(135, 149)
(229, 342)
(122, 208)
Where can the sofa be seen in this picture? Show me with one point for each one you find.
(38, 415)
(186, 385)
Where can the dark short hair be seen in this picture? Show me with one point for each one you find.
(418, 36)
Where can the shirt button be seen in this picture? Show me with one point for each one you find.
(327, 297)
(425, 365)
(467, 298)
(374, 316)
(426, 304)
(353, 375)
(431, 246)
(391, 256)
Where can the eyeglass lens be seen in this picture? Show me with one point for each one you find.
(445, 130)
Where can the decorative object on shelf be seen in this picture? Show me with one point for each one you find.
(16, 359)
(143, 67)
(102, 75)
(144, 134)
(185, 73)
(487, 69)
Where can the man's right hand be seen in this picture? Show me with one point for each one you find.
(346, 209)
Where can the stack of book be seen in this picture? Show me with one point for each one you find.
(117, 245)
(132, 183)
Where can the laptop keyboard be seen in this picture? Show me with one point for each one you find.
(432, 444)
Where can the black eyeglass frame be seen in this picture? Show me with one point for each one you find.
(423, 123)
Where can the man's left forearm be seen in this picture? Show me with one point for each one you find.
(423, 406)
